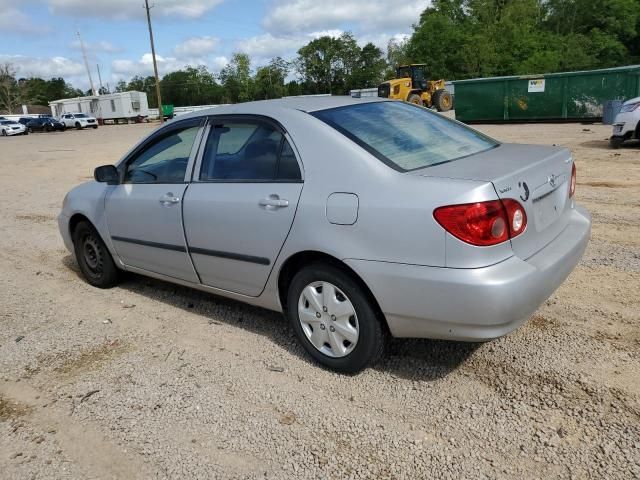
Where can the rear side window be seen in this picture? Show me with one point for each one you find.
(404, 136)
(251, 151)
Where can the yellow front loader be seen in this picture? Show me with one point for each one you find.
(411, 85)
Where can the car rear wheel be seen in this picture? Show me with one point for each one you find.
(415, 99)
(334, 319)
(93, 257)
(442, 100)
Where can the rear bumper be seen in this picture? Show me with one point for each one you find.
(473, 304)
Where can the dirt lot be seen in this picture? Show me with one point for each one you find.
(150, 380)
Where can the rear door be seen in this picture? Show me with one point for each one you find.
(239, 209)
(144, 212)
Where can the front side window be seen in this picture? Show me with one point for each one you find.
(247, 151)
(164, 160)
(404, 136)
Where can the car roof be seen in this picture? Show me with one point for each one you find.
(272, 107)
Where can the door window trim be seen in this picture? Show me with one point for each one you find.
(161, 133)
(240, 118)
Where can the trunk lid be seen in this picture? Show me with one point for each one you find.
(538, 177)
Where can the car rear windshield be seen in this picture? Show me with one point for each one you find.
(405, 136)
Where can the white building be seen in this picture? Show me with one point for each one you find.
(109, 107)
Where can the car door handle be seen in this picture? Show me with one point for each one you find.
(169, 199)
(274, 201)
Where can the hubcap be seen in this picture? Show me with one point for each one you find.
(92, 254)
(328, 319)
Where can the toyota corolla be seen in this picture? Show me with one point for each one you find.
(359, 219)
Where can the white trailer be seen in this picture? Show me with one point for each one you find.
(108, 108)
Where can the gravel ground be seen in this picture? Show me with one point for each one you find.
(151, 380)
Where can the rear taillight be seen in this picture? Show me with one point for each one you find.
(572, 185)
(483, 223)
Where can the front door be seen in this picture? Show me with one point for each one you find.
(240, 207)
(144, 212)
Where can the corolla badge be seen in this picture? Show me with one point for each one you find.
(525, 196)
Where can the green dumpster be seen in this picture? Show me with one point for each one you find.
(568, 96)
(167, 111)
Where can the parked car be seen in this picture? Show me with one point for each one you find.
(42, 124)
(627, 123)
(357, 218)
(9, 127)
(78, 120)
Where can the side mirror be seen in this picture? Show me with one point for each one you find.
(107, 174)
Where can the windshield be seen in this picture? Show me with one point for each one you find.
(405, 136)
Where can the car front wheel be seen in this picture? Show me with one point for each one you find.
(334, 319)
(93, 257)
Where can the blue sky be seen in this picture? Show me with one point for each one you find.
(39, 36)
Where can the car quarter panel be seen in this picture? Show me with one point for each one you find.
(473, 304)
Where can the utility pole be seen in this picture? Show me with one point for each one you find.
(99, 77)
(86, 63)
(155, 65)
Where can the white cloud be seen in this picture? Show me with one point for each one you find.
(102, 46)
(132, 9)
(125, 69)
(269, 46)
(266, 46)
(43, 67)
(381, 40)
(196, 47)
(291, 16)
(13, 20)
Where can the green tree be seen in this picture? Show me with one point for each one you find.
(236, 79)
(9, 93)
(327, 64)
(370, 68)
(269, 81)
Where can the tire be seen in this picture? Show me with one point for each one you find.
(29, 130)
(4, 133)
(93, 257)
(442, 100)
(370, 335)
(26, 132)
(415, 99)
(78, 126)
(95, 127)
(64, 127)
(616, 142)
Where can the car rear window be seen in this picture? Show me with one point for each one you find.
(405, 136)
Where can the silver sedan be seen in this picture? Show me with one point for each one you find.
(359, 219)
